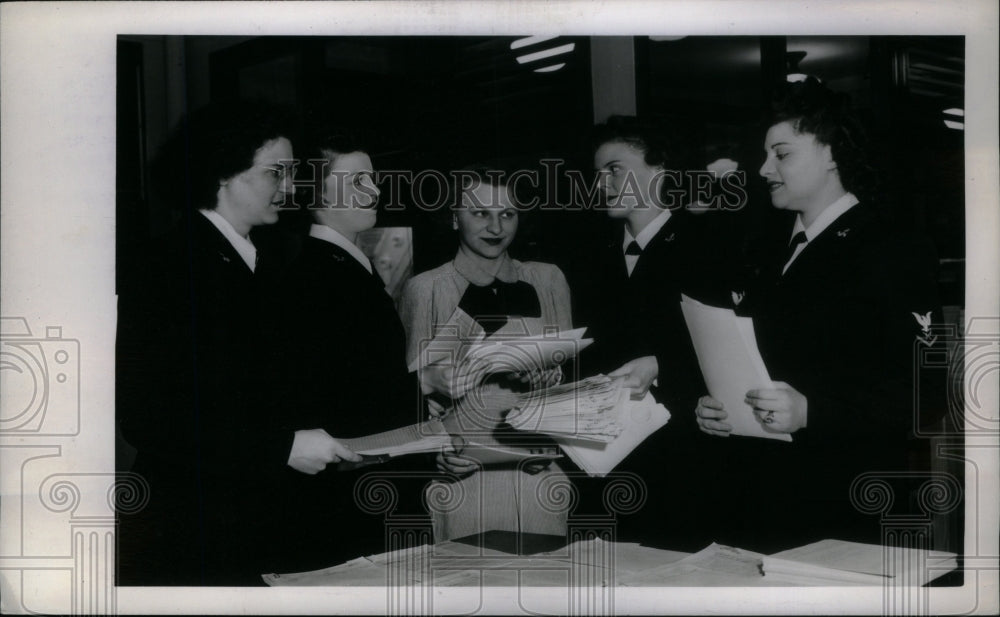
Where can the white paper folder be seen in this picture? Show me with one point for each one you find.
(730, 363)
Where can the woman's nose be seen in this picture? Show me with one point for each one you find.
(494, 226)
(767, 167)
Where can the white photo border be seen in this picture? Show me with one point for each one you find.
(57, 65)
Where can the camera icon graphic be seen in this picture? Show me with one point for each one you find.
(963, 364)
(40, 379)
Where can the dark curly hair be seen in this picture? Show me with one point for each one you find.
(813, 108)
(213, 143)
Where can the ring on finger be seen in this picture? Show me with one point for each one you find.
(768, 417)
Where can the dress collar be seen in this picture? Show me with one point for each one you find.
(473, 272)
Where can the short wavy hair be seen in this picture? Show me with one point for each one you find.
(813, 108)
(321, 144)
(213, 143)
(658, 144)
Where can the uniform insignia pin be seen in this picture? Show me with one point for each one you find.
(737, 298)
(843, 232)
(924, 321)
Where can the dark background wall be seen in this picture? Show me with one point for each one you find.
(443, 102)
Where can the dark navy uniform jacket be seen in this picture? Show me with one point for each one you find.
(850, 325)
(337, 349)
(639, 315)
(189, 379)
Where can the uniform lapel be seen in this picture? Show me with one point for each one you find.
(659, 247)
(216, 247)
(830, 242)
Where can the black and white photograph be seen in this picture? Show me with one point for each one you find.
(571, 311)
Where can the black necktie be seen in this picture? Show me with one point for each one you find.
(633, 248)
(797, 239)
(376, 276)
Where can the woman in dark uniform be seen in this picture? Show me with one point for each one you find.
(189, 380)
(338, 352)
(839, 309)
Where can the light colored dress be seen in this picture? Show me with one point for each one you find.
(500, 498)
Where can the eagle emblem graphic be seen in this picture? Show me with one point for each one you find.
(924, 321)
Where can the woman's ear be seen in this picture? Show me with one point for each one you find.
(831, 165)
(454, 222)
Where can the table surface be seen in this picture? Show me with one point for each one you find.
(592, 562)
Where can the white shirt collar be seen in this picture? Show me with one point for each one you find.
(825, 218)
(335, 237)
(243, 246)
(648, 231)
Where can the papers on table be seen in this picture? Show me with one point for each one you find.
(630, 565)
(829, 562)
(730, 362)
(714, 566)
(594, 421)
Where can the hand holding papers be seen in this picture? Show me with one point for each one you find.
(730, 362)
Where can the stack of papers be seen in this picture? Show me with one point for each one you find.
(730, 363)
(594, 421)
(832, 562)
(503, 352)
(429, 436)
(528, 353)
(589, 409)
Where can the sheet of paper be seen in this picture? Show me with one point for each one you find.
(427, 436)
(844, 561)
(513, 349)
(730, 363)
(639, 420)
(713, 566)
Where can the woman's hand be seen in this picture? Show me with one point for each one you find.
(781, 409)
(449, 460)
(450, 380)
(436, 409)
(711, 417)
(639, 375)
(313, 449)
